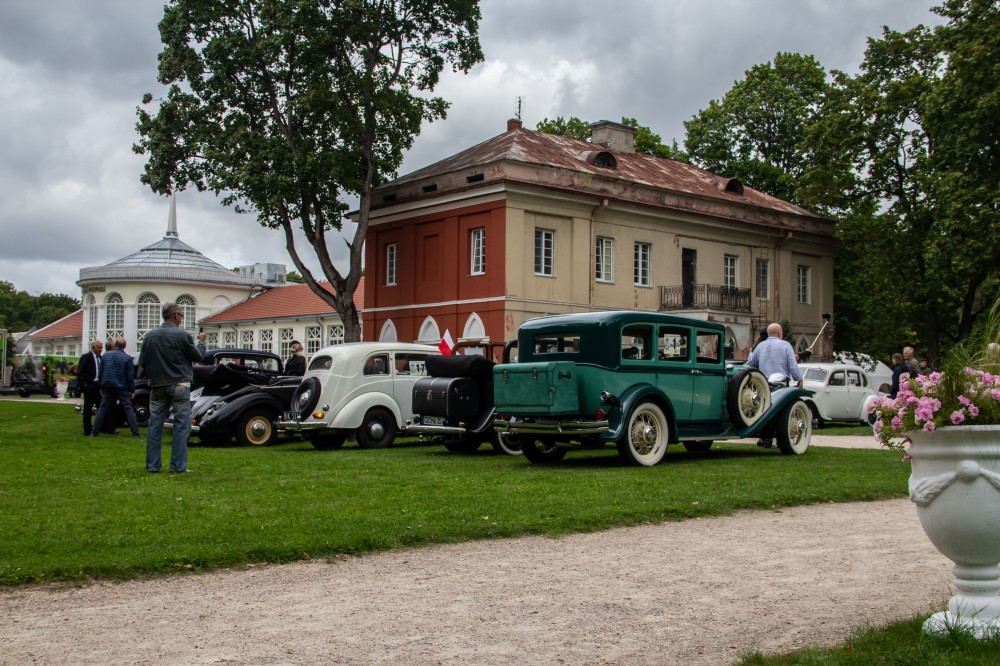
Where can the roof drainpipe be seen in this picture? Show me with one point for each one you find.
(593, 243)
(777, 273)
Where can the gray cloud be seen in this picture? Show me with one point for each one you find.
(74, 73)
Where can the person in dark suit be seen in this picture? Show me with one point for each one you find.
(296, 363)
(87, 370)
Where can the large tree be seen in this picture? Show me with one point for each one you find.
(755, 133)
(287, 107)
(20, 311)
(906, 154)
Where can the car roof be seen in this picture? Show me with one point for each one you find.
(365, 348)
(616, 318)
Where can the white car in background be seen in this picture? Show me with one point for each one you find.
(360, 390)
(843, 391)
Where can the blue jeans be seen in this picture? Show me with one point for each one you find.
(163, 400)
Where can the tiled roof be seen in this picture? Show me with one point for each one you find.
(564, 165)
(290, 301)
(70, 326)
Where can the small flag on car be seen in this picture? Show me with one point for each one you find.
(447, 344)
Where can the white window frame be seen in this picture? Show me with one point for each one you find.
(477, 251)
(285, 337)
(391, 258)
(229, 339)
(762, 279)
(545, 245)
(730, 271)
(246, 339)
(641, 255)
(266, 340)
(335, 334)
(114, 316)
(212, 340)
(803, 284)
(93, 311)
(148, 312)
(189, 307)
(604, 256)
(314, 339)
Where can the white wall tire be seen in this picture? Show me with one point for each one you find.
(644, 441)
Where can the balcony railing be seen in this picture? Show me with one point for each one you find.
(705, 296)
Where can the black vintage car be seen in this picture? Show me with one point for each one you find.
(454, 404)
(237, 402)
(259, 362)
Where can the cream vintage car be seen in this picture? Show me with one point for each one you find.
(360, 390)
(842, 391)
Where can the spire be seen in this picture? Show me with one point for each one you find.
(172, 219)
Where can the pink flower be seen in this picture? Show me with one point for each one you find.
(957, 417)
(995, 393)
(964, 400)
(973, 410)
(929, 426)
(897, 423)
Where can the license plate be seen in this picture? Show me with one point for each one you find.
(291, 416)
(433, 420)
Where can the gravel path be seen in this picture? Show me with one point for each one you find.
(703, 591)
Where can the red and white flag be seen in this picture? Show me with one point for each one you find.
(447, 344)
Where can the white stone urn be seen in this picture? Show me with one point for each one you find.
(955, 483)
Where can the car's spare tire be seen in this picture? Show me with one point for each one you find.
(306, 397)
(748, 397)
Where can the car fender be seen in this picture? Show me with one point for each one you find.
(868, 409)
(351, 414)
(229, 414)
(631, 397)
(780, 399)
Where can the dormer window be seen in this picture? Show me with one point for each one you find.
(600, 158)
(730, 185)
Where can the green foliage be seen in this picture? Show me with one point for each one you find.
(646, 141)
(20, 311)
(286, 106)
(756, 133)
(895, 644)
(292, 276)
(75, 507)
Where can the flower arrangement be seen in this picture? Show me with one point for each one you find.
(937, 400)
(965, 392)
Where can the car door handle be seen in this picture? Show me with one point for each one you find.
(696, 372)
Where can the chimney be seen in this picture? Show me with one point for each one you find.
(514, 124)
(615, 137)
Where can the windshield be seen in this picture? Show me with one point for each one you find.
(815, 374)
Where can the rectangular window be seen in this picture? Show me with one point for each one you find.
(672, 343)
(314, 339)
(478, 251)
(411, 364)
(641, 264)
(335, 334)
(802, 284)
(604, 252)
(267, 340)
(247, 340)
(212, 340)
(708, 346)
(544, 246)
(230, 340)
(729, 263)
(637, 342)
(762, 286)
(391, 251)
(285, 337)
(557, 343)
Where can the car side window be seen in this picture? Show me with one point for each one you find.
(672, 343)
(321, 363)
(637, 342)
(837, 379)
(709, 346)
(853, 378)
(377, 365)
(411, 364)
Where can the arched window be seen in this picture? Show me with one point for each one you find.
(148, 316)
(190, 310)
(388, 333)
(114, 316)
(430, 333)
(474, 329)
(92, 318)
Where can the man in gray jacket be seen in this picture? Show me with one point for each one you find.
(167, 354)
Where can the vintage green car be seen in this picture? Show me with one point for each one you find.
(641, 380)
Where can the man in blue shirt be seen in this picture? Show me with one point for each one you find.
(117, 381)
(775, 358)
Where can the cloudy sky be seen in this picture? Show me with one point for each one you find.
(72, 74)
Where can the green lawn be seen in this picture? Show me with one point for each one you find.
(76, 508)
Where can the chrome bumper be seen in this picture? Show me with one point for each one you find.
(567, 428)
(299, 426)
(431, 430)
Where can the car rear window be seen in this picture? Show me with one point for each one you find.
(321, 363)
(815, 374)
(557, 343)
